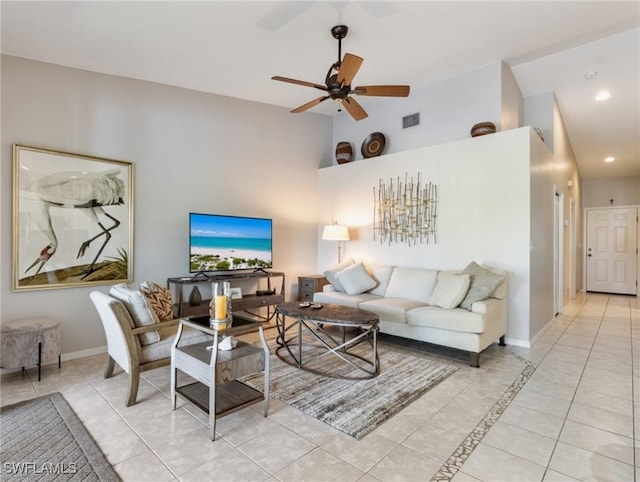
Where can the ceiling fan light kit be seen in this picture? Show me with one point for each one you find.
(337, 84)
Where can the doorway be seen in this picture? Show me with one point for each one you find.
(572, 251)
(611, 241)
(558, 252)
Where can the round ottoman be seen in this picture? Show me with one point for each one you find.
(29, 342)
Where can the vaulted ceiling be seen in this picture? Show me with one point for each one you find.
(233, 48)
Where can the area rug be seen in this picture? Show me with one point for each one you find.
(43, 439)
(355, 407)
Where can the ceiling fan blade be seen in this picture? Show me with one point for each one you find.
(383, 90)
(299, 82)
(355, 109)
(349, 68)
(308, 105)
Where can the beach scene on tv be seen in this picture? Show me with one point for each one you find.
(222, 243)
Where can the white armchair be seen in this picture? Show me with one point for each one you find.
(136, 347)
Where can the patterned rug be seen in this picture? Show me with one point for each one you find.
(43, 439)
(355, 407)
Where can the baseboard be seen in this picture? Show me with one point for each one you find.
(74, 355)
(532, 341)
(517, 342)
(64, 357)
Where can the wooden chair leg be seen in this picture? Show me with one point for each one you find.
(134, 380)
(108, 371)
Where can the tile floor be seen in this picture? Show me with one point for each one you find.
(566, 409)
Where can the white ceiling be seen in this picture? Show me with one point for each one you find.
(233, 48)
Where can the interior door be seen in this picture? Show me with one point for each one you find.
(611, 250)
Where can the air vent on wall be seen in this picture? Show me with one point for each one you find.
(411, 120)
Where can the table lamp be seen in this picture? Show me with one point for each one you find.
(336, 232)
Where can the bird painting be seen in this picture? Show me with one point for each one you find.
(89, 192)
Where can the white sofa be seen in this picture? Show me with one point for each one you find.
(426, 304)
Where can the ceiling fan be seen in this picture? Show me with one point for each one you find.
(338, 84)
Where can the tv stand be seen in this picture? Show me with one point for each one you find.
(250, 302)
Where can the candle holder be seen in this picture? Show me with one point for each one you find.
(220, 308)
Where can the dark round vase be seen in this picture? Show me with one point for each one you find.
(195, 298)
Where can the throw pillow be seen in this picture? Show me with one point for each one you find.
(140, 311)
(381, 273)
(450, 290)
(483, 283)
(355, 279)
(331, 274)
(159, 298)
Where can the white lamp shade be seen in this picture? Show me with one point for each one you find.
(335, 232)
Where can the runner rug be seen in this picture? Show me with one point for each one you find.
(43, 439)
(355, 407)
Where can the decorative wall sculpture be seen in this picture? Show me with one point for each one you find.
(405, 212)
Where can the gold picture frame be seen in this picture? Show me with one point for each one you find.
(72, 219)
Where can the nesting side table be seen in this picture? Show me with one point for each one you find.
(217, 389)
(29, 342)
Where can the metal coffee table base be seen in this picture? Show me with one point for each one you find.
(292, 350)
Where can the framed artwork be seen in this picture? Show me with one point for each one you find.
(72, 219)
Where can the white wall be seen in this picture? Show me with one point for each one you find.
(538, 112)
(624, 191)
(512, 102)
(565, 170)
(483, 210)
(541, 229)
(448, 110)
(191, 152)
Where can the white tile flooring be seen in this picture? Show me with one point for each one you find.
(574, 419)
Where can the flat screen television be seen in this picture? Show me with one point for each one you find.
(226, 243)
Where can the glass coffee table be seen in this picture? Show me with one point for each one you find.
(307, 335)
(217, 389)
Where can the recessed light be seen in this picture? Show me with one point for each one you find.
(592, 74)
(609, 159)
(603, 95)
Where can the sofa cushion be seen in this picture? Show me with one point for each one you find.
(381, 273)
(413, 283)
(159, 299)
(139, 309)
(355, 279)
(340, 298)
(391, 309)
(456, 319)
(330, 274)
(450, 290)
(483, 283)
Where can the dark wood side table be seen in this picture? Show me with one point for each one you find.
(308, 285)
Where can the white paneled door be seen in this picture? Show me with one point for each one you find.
(612, 250)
